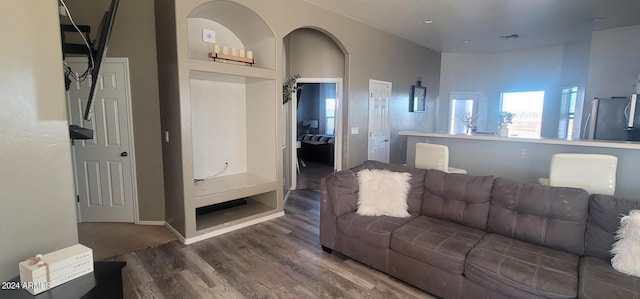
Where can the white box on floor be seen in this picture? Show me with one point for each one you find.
(46, 271)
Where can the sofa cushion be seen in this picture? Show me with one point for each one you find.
(436, 242)
(460, 198)
(554, 217)
(505, 263)
(414, 197)
(373, 230)
(604, 219)
(598, 279)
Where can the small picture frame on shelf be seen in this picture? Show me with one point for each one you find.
(418, 100)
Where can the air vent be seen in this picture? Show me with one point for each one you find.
(510, 36)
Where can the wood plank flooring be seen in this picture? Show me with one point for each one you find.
(281, 258)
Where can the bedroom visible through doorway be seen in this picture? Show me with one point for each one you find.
(315, 131)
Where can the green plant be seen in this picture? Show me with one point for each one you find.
(506, 117)
(289, 88)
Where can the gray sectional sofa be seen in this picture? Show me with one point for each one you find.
(482, 237)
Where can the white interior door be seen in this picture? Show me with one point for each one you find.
(379, 131)
(104, 165)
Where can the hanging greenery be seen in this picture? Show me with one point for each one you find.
(288, 88)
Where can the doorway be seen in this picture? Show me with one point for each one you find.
(463, 112)
(316, 131)
(104, 167)
(379, 129)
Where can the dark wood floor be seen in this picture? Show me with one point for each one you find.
(280, 258)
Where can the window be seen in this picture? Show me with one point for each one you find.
(567, 112)
(527, 107)
(330, 116)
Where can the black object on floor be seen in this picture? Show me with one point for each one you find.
(221, 206)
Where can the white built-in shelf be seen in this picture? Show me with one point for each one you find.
(225, 188)
(210, 70)
(232, 216)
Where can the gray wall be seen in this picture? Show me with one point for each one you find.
(36, 181)
(309, 106)
(134, 36)
(494, 73)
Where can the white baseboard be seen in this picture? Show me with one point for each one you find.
(151, 222)
(227, 229)
(175, 232)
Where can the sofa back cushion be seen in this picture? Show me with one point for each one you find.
(554, 217)
(416, 183)
(459, 198)
(604, 220)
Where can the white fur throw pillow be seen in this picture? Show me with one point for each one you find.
(626, 251)
(383, 193)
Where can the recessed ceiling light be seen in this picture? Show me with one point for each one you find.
(429, 21)
(594, 20)
(466, 41)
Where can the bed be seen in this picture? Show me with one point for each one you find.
(317, 148)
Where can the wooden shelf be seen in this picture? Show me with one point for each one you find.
(230, 187)
(216, 56)
(208, 70)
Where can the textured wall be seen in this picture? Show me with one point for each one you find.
(38, 212)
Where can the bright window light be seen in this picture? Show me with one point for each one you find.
(527, 106)
(330, 119)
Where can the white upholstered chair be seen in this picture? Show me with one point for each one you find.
(434, 156)
(595, 173)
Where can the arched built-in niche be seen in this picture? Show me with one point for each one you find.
(235, 26)
(224, 114)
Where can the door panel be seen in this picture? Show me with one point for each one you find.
(104, 166)
(379, 131)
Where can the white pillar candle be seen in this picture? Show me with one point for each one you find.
(216, 49)
(234, 52)
(242, 53)
(250, 54)
(225, 50)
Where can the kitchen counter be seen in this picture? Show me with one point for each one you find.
(527, 159)
(591, 143)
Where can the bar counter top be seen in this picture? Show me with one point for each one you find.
(527, 159)
(488, 137)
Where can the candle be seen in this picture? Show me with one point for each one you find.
(242, 53)
(234, 52)
(250, 54)
(225, 50)
(216, 49)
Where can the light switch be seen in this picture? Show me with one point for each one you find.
(166, 136)
(355, 130)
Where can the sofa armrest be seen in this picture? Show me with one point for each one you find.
(339, 195)
(342, 191)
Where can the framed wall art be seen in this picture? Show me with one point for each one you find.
(418, 100)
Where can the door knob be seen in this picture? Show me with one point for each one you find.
(124, 154)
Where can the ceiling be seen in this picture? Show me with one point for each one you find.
(475, 26)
